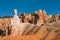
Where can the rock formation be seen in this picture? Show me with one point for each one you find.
(54, 18)
(43, 18)
(15, 22)
(48, 31)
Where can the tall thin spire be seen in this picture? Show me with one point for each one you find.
(15, 11)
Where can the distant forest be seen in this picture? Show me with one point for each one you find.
(6, 16)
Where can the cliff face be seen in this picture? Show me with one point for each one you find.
(43, 18)
(50, 30)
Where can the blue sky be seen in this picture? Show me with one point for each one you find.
(29, 6)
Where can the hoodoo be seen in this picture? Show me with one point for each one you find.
(15, 21)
